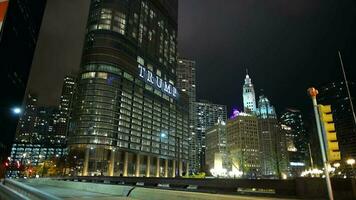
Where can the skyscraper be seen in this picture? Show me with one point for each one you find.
(186, 78)
(335, 94)
(206, 115)
(216, 146)
(128, 117)
(272, 140)
(186, 83)
(298, 157)
(36, 137)
(26, 127)
(65, 105)
(249, 97)
(18, 37)
(243, 144)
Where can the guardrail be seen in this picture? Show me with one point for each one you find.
(12, 189)
(297, 188)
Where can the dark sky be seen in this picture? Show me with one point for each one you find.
(59, 48)
(287, 46)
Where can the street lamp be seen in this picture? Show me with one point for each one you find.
(351, 162)
(336, 165)
(16, 110)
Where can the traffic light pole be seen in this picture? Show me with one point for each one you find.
(313, 92)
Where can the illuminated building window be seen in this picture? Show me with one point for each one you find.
(119, 23)
(88, 75)
(102, 75)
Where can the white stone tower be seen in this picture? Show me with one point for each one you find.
(249, 97)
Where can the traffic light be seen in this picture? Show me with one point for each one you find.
(332, 146)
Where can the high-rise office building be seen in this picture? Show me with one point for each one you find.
(26, 127)
(243, 144)
(249, 97)
(20, 24)
(36, 137)
(272, 140)
(268, 129)
(335, 94)
(128, 116)
(298, 157)
(65, 106)
(206, 115)
(215, 153)
(186, 82)
(186, 78)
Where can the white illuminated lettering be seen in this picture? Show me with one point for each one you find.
(142, 71)
(174, 92)
(158, 82)
(167, 88)
(150, 77)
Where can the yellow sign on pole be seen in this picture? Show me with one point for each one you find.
(331, 143)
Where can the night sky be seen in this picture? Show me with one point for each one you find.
(287, 46)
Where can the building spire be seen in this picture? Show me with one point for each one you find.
(249, 98)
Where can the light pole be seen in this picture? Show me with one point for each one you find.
(313, 93)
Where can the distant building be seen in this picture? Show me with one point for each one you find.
(296, 132)
(249, 96)
(36, 137)
(20, 22)
(26, 127)
(186, 78)
(243, 144)
(186, 82)
(216, 146)
(272, 140)
(65, 106)
(335, 94)
(206, 115)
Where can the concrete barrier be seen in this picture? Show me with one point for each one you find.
(159, 194)
(117, 190)
(138, 193)
(9, 193)
(304, 188)
(27, 191)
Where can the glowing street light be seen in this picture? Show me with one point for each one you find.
(16, 110)
(336, 165)
(351, 162)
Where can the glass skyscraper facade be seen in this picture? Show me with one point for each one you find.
(206, 115)
(272, 140)
(335, 94)
(128, 117)
(186, 82)
(292, 122)
(65, 106)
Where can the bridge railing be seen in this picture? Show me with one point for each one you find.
(13, 189)
(300, 187)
